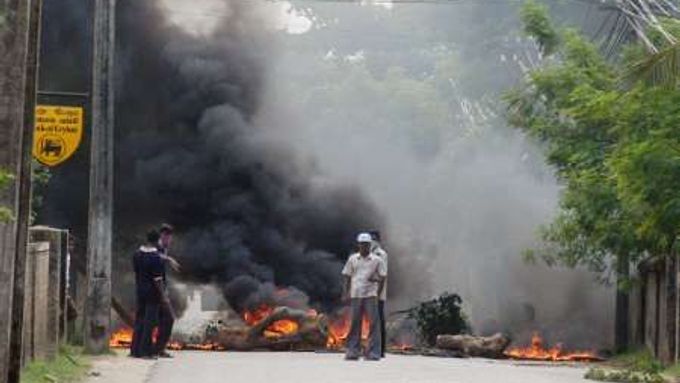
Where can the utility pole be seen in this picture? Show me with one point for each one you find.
(98, 304)
(18, 87)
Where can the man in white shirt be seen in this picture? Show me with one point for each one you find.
(364, 276)
(377, 249)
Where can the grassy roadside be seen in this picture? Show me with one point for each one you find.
(69, 366)
(634, 367)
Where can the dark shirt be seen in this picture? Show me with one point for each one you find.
(148, 265)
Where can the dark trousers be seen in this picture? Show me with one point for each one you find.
(138, 328)
(165, 323)
(383, 330)
(149, 322)
(364, 307)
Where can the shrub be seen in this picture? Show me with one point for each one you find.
(442, 315)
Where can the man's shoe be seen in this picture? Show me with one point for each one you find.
(373, 358)
(351, 357)
(165, 354)
(149, 357)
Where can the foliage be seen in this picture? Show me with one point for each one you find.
(624, 376)
(537, 24)
(616, 152)
(660, 68)
(639, 360)
(5, 179)
(40, 180)
(637, 366)
(442, 315)
(70, 365)
(673, 371)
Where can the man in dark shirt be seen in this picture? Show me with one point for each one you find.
(148, 268)
(166, 315)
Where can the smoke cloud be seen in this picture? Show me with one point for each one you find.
(270, 150)
(191, 153)
(416, 119)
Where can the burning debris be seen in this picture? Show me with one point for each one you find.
(537, 351)
(286, 329)
(121, 338)
(264, 328)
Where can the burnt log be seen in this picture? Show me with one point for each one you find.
(311, 333)
(468, 345)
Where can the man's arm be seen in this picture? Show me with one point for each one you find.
(379, 275)
(381, 286)
(347, 273)
(172, 262)
(346, 283)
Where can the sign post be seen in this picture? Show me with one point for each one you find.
(58, 133)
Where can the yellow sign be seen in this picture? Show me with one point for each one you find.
(58, 132)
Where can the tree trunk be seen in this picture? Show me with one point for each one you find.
(487, 347)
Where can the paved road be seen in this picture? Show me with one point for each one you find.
(208, 367)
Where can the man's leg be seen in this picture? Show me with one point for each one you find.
(150, 318)
(354, 337)
(138, 327)
(165, 323)
(374, 338)
(383, 330)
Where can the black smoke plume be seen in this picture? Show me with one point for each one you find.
(250, 218)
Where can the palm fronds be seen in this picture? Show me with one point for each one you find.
(635, 20)
(657, 69)
(642, 21)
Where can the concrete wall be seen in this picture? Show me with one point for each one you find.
(45, 294)
(35, 301)
(654, 309)
(53, 298)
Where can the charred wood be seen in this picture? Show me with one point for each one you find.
(487, 347)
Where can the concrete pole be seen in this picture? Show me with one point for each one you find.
(19, 41)
(98, 303)
(54, 283)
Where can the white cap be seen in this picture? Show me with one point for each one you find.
(364, 237)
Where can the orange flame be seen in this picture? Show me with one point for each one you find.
(121, 338)
(338, 330)
(256, 316)
(275, 330)
(536, 351)
(281, 328)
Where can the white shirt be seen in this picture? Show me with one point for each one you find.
(360, 270)
(380, 252)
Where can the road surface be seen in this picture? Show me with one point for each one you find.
(263, 367)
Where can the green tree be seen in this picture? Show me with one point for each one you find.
(615, 151)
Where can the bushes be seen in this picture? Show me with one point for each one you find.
(442, 315)
(632, 367)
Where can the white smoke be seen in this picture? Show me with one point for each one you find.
(466, 210)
